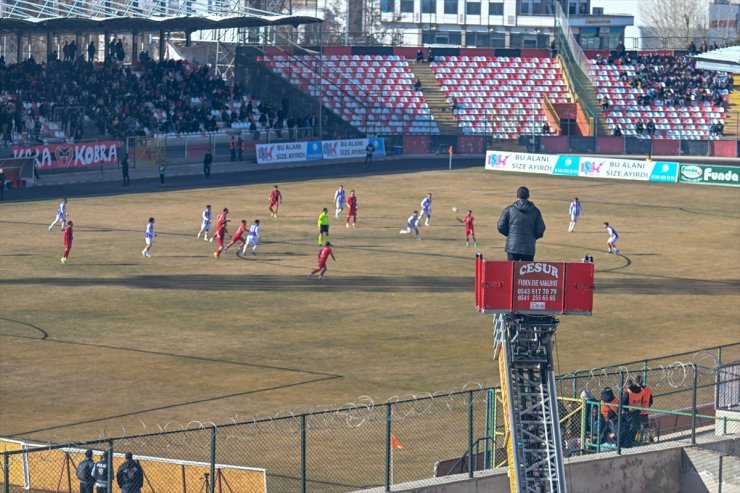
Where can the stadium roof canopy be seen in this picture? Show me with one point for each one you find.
(725, 60)
(128, 15)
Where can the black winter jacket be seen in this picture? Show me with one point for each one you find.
(522, 225)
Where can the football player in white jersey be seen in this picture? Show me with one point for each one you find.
(149, 236)
(253, 237)
(575, 210)
(205, 226)
(61, 216)
(613, 237)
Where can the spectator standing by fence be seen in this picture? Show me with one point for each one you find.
(84, 473)
(100, 474)
(130, 475)
(369, 150)
(647, 401)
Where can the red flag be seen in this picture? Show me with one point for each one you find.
(450, 150)
(395, 443)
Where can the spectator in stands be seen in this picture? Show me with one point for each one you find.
(91, 52)
(545, 128)
(72, 51)
(691, 49)
(553, 49)
(417, 85)
(650, 127)
(639, 126)
(419, 56)
(715, 46)
(621, 50)
(240, 148)
(430, 56)
(617, 132)
(455, 104)
(605, 103)
(2, 184)
(703, 48)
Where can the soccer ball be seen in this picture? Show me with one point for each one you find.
(454, 209)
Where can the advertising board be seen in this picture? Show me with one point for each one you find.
(709, 174)
(63, 156)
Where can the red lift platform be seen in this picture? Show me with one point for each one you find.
(524, 296)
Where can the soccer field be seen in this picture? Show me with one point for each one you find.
(113, 340)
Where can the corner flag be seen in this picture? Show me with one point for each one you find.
(450, 151)
(395, 443)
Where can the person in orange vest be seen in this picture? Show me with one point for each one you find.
(232, 148)
(608, 410)
(647, 401)
(632, 397)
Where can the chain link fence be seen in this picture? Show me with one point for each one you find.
(414, 438)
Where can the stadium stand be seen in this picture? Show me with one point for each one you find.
(144, 98)
(662, 96)
(500, 95)
(374, 93)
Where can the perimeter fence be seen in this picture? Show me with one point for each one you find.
(367, 444)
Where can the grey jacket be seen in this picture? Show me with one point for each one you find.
(522, 225)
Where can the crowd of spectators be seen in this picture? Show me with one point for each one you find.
(676, 81)
(669, 80)
(143, 98)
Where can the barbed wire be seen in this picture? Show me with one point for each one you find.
(671, 377)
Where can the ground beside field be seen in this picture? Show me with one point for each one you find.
(114, 340)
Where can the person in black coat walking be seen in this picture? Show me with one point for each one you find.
(522, 224)
(207, 160)
(124, 169)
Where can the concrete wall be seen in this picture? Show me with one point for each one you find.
(656, 471)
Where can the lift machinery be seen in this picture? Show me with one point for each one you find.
(524, 296)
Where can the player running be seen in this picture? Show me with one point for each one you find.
(575, 210)
(412, 224)
(205, 226)
(324, 255)
(223, 218)
(253, 237)
(219, 236)
(339, 199)
(613, 237)
(67, 242)
(238, 236)
(323, 224)
(351, 209)
(61, 216)
(426, 208)
(469, 228)
(276, 198)
(149, 236)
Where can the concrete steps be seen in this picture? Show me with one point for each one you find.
(586, 92)
(733, 108)
(436, 99)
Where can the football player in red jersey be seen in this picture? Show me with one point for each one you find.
(276, 198)
(324, 255)
(469, 228)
